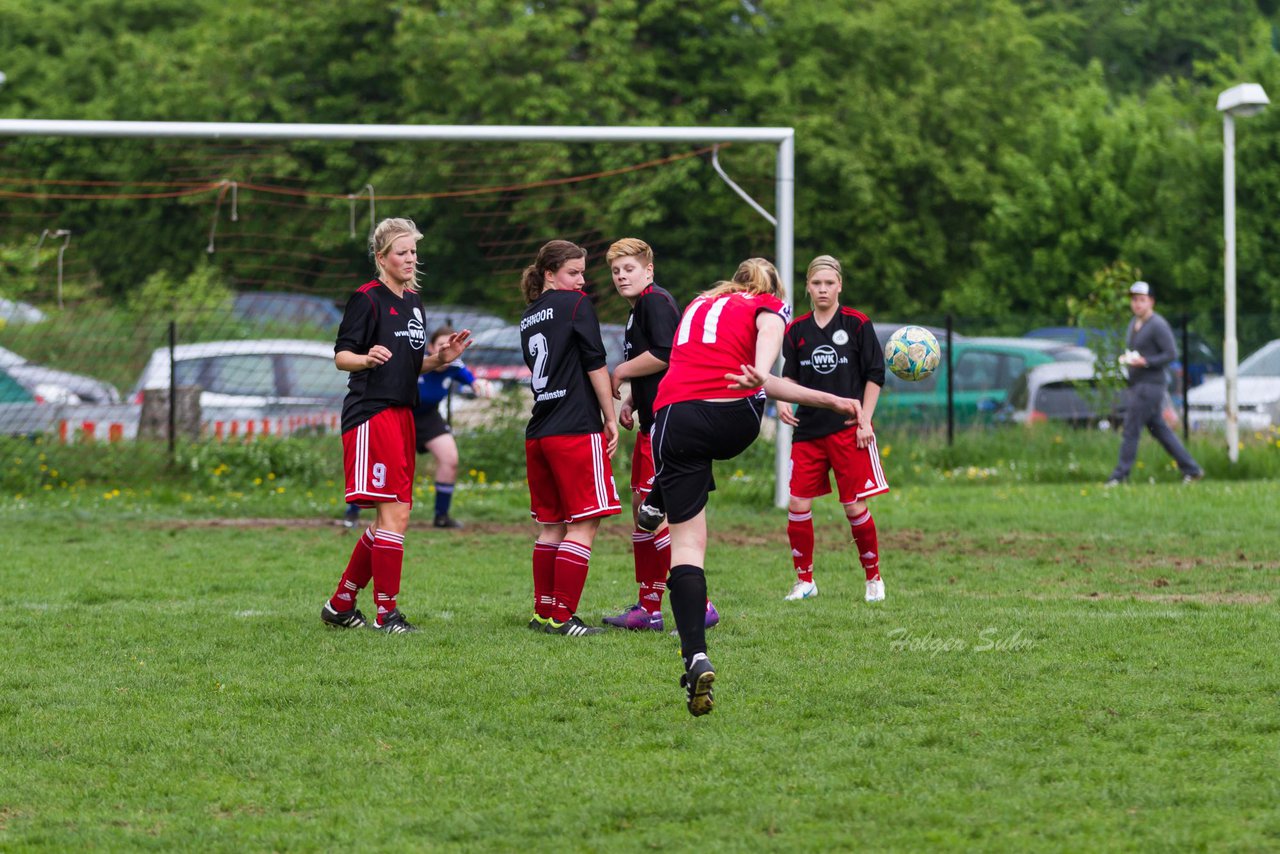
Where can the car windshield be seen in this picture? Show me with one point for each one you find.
(1264, 363)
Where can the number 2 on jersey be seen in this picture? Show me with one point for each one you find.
(709, 320)
(539, 350)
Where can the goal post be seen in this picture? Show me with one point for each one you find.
(781, 137)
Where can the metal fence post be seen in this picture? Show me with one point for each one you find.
(1186, 379)
(951, 398)
(173, 391)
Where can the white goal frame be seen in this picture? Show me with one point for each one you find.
(782, 137)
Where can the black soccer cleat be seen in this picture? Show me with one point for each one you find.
(352, 619)
(696, 682)
(539, 624)
(649, 518)
(394, 623)
(446, 521)
(572, 628)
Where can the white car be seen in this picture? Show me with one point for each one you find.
(1258, 393)
(256, 374)
(1068, 393)
(49, 385)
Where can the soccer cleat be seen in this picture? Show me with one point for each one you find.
(1112, 483)
(352, 619)
(394, 623)
(539, 624)
(713, 616)
(636, 618)
(696, 682)
(875, 590)
(649, 518)
(572, 628)
(351, 516)
(446, 521)
(802, 590)
(1188, 479)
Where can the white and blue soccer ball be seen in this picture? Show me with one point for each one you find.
(912, 353)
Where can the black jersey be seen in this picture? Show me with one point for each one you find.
(560, 337)
(840, 358)
(651, 327)
(375, 315)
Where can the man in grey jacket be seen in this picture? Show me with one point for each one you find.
(1150, 349)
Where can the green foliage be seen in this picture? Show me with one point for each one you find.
(980, 159)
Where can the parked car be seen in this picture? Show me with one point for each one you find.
(20, 414)
(16, 311)
(985, 371)
(49, 385)
(287, 309)
(1204, 361)
(1069, 393)
(1257, 395)
(251, 374)
(496, 355)
(460, 317)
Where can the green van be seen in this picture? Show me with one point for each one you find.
(985, 369)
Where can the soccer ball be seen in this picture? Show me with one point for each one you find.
(912, 353)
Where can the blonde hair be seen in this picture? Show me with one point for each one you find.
(388, 232)
(630, 247)
(824, 261)
(551, 257)
(754, 276)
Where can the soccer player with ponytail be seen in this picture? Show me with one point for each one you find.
(381, 342)
(709, 407)
(572, 432)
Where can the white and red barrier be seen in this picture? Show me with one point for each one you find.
(89, 430)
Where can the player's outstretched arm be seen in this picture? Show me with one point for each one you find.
(448, 352)
(783, 389)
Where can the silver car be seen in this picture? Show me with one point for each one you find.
(49, 385)
(1258, 393)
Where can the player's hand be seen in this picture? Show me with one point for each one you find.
(851, 410)
(627, 416)
(750, 378)
(787, 415)
(616, 380)
(452, 348)
(865, 435)
(610, 437)
(377, 355)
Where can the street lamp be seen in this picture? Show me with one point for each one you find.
(1244, 100)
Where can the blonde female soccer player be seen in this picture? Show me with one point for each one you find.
(381, 341)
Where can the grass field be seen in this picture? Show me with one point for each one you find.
(1056, 667)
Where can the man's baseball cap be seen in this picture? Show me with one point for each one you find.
(1142, 288)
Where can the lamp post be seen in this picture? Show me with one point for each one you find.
(1244, 100)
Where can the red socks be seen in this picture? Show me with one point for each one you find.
(544, 578)
(800, 533)
(653, 562)
(572, 562)
(357, 574)
(864, 536)
(388, 560)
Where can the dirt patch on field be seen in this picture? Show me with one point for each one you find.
(1176, 598)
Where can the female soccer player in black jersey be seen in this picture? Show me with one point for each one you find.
(572, 433)
(381, 341)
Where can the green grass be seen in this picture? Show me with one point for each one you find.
(1056, 667)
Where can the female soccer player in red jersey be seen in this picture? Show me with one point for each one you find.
(572, 432)
(833, 348)
(380, 342)
(651, 327)
(709, 407)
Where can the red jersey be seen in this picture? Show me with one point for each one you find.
(716, 336)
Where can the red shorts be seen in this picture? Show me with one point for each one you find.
(642, 465)
(379, 459)
(858, 471)
(570, 479)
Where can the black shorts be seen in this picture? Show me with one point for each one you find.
(687, 437)
(429, 425)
